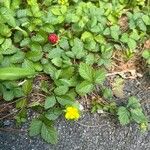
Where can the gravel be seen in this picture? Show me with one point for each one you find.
(91, 132)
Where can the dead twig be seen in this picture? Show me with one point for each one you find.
(12, 129)
(133, 73)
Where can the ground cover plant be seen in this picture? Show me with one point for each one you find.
(71, 45)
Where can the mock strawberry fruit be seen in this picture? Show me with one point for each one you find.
(53, 38)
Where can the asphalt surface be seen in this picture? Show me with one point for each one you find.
(91, 132)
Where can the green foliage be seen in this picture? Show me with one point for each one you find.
(45, 129)
(146, 55)
(101, 108)
(88, 32)
(131, 112)
(49, 134)
(49, 102)
(35, 127)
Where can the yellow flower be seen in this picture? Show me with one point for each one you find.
(63, 2)
(72, 113)
(143, 126)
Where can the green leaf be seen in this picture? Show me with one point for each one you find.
(57, 61)
(15, 73)
(35, 127)
(107, 31)
(25, 42)
(146, 19)
(86, 72)
(4, 30)
(77, 48)
(38, 38)
(63, 43)
(18, 92)
(1, 39)
(146, 54)
(90, 59)
(61, 90)
(8, 16)
(138, 116)
(142, 25)
(107, 93)
(7, 44)
(6, 3)
(56, 52)
(63, 9)
(100, 39)
(21, 103)
(115, 32)
(86, 35)
(84, 88)
(50, 101)
(99, 76)
(124, 115)
(49, 134)
(124, 38)
(27, 87)
(65, 100)
(134, 35)
(15, 4)
(53, 113)
(91, 46)
(34, 55)
(133, 103)
(8, 95)
(18, 57)
(56, 11)
(132, 44)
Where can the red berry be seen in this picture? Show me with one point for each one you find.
(53, 38)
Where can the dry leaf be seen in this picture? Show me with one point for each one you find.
(117, 87)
